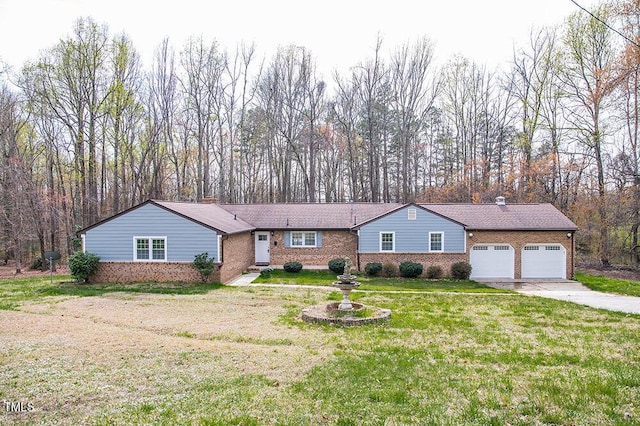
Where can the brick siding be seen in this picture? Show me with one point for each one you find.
(237, 255)
(334, 244)
(127, 272)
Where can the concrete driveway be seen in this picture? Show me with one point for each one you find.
(570, 291)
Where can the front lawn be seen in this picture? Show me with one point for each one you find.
(13, 291)
(324, 278)
(609, 285)
(240, 355)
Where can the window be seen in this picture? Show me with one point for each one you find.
(412, 214)
(531, 248)
(303, 239)
(507, 248)
(552, 248)
(150, 248)
(436, 241)
(262, 237)
(387, 241)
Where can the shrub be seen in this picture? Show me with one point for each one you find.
(460, 271)
(389, 270)
(293, 267)
(83, 265)
(410, 269)
(337, 265)
(36, 263)
(434, 272)
(266, 272)
(373, 269)
(204, 264)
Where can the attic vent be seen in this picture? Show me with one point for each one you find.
(412, 214)
(501, 201)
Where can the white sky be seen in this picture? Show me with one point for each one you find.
(339, 33)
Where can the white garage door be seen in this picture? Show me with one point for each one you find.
(492, 261)
(544, 261)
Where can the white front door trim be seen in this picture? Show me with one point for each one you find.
(262, 244)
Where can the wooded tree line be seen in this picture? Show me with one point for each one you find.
(86, 131)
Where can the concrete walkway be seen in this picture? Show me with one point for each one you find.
(570, 291)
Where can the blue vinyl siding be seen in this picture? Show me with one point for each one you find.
(412, 236)
(113, 240)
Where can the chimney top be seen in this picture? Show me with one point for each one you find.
(209, 200)
(501, 201)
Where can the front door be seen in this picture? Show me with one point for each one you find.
(262, 248)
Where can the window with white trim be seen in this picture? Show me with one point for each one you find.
(303, 239)
(436, 241)
(153, 249)
(387, 241)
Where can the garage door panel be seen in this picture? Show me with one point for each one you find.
(544, 261)
(492, 261)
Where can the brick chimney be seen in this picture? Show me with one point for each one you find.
(209, 200)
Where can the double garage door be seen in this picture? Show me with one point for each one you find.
(538, 261)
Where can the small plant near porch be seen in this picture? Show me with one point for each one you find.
(204, 264)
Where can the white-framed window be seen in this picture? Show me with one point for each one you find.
(436, 241)
(150, 249)
(387, 241)
(412, 214)
(303, 239)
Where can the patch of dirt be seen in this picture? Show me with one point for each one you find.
(624, 272)
(9, 271)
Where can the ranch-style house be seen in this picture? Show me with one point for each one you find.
(157, 240)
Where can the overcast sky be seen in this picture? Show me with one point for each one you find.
(339, 33)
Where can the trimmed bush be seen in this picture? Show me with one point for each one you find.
(83, 265)
(293, 267)
(204, 264)
(461, 271)
(373, 269)
(435, 272)
(337, 265)
(389, 270)
(410, 269)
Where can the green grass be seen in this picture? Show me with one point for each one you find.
(14, 291)
(609, 285)
(442, 359)
(324, 278)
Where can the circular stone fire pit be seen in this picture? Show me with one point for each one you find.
(345, 312)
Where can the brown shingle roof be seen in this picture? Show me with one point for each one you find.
(211, 215)
(532, 217)
(308, 216)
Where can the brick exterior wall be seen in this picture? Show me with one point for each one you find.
(127, 272)
(237, 255)
(445, 260)
(334, 244)
(518, 239)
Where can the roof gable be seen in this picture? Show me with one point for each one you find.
(402, 207)
(208, 215)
